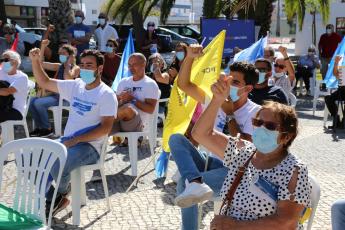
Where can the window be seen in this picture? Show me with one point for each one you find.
(94, 11)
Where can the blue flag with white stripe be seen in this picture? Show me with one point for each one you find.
(123, 70)
(253, 52)
(330, 80)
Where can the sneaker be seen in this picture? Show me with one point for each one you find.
(45, 133)
(96, 176)
(35, 133)
(176, 177)
(194, 193)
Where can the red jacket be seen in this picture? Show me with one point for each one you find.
(328, 44)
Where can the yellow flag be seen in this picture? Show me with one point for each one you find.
(205, 71)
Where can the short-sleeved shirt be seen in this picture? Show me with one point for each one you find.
(164, 88)
(328, 44)
(4, 45)
(269, 93)
(146, 88)
(244, 115)
(87, 106)
(250, 201)
(285, 83)
(78, 31)
(103, 35)
(309, 61)
(19, 81)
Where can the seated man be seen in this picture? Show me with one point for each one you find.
(137, 96)
(339, 94)
(262, 91)
(196, 184)
(306, 66)
(93, 107)
(282, 65)
(17, 87)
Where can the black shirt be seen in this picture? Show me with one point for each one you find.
(270, 93)
(164, 88)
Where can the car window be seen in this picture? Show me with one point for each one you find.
(187, 32)
(174, 29)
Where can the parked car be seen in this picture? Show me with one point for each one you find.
(38, 31)
(184, 30)
(175, 37)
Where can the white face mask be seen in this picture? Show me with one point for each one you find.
(279, 75)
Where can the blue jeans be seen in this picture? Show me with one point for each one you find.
(338, 215)
(191, 164)
(77, 156)
(39, 110)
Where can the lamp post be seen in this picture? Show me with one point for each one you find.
(278, 20)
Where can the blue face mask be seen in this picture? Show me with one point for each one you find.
(101, 21)
(265, 140)
(234, 93)
(180, 55)
(78, 19)
(261, 77)
(6, 66)
(62, 58)
(88, 76)
(109, 49)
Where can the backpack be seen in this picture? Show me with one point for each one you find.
(6, 102)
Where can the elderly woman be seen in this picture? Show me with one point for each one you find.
(18, 86)
(65, 70)
(274, 189)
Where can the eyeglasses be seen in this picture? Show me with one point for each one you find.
(5, 60)
(279, 66)
(272, 126)
(151, 25)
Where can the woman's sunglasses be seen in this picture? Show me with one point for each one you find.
(272, 126)
(279, 66)
(5, 60)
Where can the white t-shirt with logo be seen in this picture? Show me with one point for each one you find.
(221, 116)
(146, 88)
(244, 115)
(87, 107)
(19, 81)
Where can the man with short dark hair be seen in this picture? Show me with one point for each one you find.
(327, 45)
(104, 32)
(92, 111)
(79, 34)
(262, 91)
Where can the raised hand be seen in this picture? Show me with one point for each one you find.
(35, 54)
(221, 88)
(51, 28)
(45, 43)
(337, 58)
(194, 51)
(283, 51)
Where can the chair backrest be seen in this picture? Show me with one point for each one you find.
(315, 197)
(104, 147)
(150, 123)
(292, 100)
(31, 85)
(34, 159)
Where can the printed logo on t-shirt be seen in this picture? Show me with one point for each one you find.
(264, 189)
(221, 122)
(81, 107)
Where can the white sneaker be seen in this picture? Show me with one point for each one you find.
(194, 193)
(176, 177)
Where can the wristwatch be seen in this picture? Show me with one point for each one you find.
(133, 101)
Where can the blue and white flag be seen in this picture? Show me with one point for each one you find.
(253, 52)
(123, 70)
(330, 80)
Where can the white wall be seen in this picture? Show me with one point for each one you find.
(304, 37)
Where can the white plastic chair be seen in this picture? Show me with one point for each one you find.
(78, 183)
(149, 130)
(7, 127)
(292, 100)
(57, 115)
(162, 115)
(317, 94)
(34, 159)
(315, 197)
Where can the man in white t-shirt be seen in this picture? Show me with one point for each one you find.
(196, 183)
(93, 106)
(18, 86)
(104, 32)
(339, 94)
(137, 96)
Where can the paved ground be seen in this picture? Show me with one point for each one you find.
(150, 205)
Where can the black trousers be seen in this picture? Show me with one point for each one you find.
(306, 74)
(10, 115)
(338, 95)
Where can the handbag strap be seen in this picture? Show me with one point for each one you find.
(230, 195)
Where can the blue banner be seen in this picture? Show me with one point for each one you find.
(240, 33)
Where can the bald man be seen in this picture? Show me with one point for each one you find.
(103, 33)
(79, 34)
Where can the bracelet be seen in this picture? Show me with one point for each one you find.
(287, 58)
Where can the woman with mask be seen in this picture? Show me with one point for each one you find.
(180, 54)
(18, 86)
(150, 45)
(274, 190)
(65, 70)
(111, 62)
